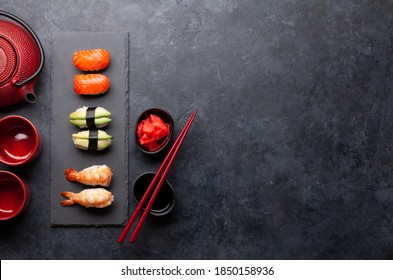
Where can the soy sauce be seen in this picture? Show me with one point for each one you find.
(164, 199)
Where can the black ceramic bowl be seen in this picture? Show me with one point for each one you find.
(165, 199)
(166, 117)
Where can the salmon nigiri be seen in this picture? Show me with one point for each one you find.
(91, 84)
(91, 60)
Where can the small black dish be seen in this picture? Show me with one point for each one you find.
(166, 117)
(165, 199)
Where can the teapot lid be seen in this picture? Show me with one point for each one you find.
(8, 61)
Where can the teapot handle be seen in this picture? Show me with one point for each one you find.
(30, 30)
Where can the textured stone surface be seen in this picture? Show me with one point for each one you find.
(290, 155)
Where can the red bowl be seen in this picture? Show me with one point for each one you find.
(14, 195)
(20, 141)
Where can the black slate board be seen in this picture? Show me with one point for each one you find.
(63, 153)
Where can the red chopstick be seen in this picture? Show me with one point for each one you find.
(165, 166)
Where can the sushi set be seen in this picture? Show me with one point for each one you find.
(89, 130)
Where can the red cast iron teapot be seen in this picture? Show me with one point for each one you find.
(21, 61)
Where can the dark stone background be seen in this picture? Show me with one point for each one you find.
(290, 155)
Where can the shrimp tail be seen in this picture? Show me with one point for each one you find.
(67, 194)
(71, 174)
(68, 201)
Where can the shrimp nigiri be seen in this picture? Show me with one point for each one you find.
(98, 198)
(96, 175)
(91, 60)
(91, 84)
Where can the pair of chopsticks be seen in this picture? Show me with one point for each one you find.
(160, 177)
